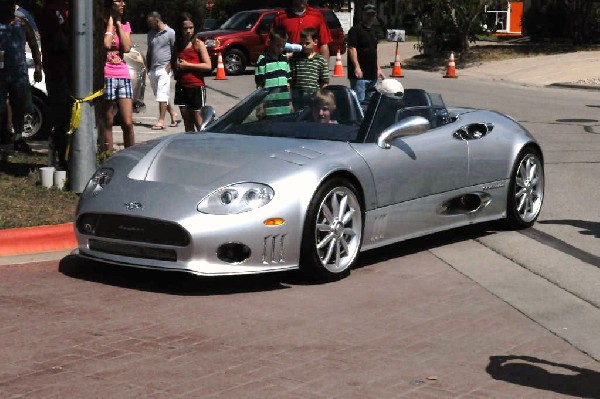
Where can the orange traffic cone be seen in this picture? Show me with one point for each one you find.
(338, 70)
(397, 70)
(220, 69)
(451, 71)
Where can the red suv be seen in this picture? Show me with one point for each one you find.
(242, 38)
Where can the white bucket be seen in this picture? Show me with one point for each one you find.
(60, 177)
(47, 176)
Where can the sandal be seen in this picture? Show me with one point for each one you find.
(158, 127)
(174, 124)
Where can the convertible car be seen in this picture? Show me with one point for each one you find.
(254, 193)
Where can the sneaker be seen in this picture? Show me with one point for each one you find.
(22, 146)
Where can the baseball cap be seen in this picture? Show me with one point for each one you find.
(391, 87)
(369, 8)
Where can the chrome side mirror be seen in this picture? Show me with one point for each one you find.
(207, 113)
(409, 126)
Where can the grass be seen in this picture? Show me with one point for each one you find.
(24, 202)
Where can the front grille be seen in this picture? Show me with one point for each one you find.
(133, 228)
(134, 251)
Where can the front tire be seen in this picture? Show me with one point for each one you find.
(332, 232)
(235, 62)
(526, 190)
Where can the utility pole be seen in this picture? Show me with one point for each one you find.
(83, 142)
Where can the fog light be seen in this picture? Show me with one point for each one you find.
(274, 222)
(233, 252)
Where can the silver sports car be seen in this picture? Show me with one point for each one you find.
(259, 191)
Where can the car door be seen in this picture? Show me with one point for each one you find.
(413, 178)
(417, 166)
(260, 34)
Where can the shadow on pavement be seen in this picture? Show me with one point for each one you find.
(426, 243)
(180, 283)
(545, 375)
(172, 283)
(587, 228)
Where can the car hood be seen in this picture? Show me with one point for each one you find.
(209, 161)
(220, 33)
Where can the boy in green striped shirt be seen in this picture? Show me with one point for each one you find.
(309, 69)
(273, 72)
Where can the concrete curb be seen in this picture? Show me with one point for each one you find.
(37, 239)
(573, 86)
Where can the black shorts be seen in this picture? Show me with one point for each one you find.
(191, 97)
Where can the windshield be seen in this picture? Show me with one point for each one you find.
(333, 114)
(241, 21)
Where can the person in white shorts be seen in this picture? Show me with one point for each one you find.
(161, 39)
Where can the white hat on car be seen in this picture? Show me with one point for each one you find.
(391, 87)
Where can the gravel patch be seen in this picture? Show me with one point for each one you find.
(589, 82)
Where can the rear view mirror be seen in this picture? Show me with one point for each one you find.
(207, 113)
(409, 126)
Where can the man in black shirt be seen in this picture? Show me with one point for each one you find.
(363, 65)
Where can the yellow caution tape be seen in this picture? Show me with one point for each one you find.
(76, 116)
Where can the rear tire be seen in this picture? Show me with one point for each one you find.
(526, 190)
(37, 123)
(332, 232)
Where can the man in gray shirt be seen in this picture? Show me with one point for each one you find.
(161, 41)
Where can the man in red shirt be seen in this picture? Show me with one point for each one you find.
(300, 16)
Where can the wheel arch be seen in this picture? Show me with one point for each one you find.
(347, 175)
(39, 93)
(240, 47)
(342, 174)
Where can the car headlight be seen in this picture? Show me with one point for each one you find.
(212, 43)
(236, 198)
(99, 180)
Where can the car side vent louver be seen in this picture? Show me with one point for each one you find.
(274, 249)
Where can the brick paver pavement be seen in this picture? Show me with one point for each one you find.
(399, 327)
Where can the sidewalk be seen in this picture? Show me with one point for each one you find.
(579, 70)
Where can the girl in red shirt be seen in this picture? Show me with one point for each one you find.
(192, 62)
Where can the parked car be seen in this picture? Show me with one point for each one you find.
(37, 123)
(242, 38)
(257, 194)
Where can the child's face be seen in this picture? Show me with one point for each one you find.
(321, 112)
(308, 45)
(276, 46)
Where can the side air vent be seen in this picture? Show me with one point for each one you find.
(467, 203)
(274, 249)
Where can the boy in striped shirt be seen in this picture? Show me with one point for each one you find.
(273, 72)
(309, 69)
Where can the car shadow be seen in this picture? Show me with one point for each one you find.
(587, 228)
(184, 284)
(545, 375)
(172, 283)
(426, 243)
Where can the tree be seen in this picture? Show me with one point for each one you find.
(580, 20)
(453, 23)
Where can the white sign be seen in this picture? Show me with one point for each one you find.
(345, 18)
(396, 35)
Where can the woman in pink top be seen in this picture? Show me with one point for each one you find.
(191, 61)
(117, 80)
